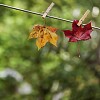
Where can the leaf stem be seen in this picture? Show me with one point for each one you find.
(44, 21)
(78, 50)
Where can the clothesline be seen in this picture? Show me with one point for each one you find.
(36, 13)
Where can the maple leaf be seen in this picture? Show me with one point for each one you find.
(78, 32)
(44, 34)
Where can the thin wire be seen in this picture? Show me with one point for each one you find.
(36, 13)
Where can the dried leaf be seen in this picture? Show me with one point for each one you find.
(78, 32)
(44, 34)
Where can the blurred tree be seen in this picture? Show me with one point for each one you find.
(52, 73)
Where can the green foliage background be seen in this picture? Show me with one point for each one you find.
(51, 72)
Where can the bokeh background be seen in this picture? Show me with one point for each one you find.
(50, 73)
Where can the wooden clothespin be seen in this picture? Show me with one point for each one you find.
(83, 17)
(48, 10)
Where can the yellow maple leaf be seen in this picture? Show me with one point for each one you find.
(44, 34)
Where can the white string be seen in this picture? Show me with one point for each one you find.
(36, 13)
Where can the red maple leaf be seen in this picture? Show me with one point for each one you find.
(78, 32)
